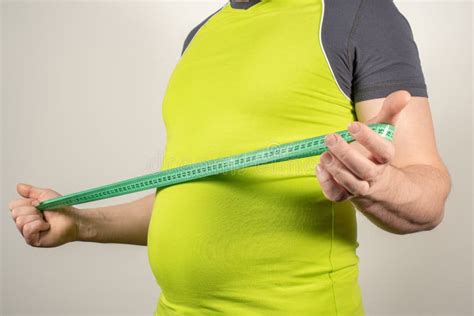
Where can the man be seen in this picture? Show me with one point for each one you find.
(277, 239)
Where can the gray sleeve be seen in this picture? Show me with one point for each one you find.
(338, 21)
(383, 53)
(193, 32)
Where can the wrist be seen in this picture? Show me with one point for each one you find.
(85, 224)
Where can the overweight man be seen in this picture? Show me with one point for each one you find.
(275, 239)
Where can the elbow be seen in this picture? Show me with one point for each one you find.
(434, 209)
(417, 227)
(437, 215)
(435, 218)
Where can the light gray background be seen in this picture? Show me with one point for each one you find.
(82, 86)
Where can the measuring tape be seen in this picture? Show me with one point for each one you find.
(298, 149)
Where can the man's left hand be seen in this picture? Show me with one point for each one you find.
(362, 168)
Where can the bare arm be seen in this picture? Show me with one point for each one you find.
(124, 223)
(401, 186)
(420, 181)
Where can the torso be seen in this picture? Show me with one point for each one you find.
(261, 240)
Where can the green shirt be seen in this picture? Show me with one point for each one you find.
(262, 240)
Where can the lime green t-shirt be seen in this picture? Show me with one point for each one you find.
(262, 240)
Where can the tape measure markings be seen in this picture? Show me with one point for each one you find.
(297, 149)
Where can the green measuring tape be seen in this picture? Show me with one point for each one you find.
(298, 149)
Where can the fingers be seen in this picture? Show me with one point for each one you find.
(360, 165)
(20, 202)
(381, 149)
(331, 189)
(391, 108)
(28, 219)
(25, 219)
(29, 222)
(24, 210)
(32, 230)
(343, 176)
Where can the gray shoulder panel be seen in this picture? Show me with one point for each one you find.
(371, 50)
(193, 32)
(338, 20)
(243, 4)
(385, 54)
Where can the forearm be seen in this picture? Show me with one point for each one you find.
(125, 223)
(412, 201)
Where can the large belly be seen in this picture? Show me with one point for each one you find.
(256, 228)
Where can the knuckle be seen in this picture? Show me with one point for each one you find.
(29, 210)
(360, 190)
(337, 174)
(23, 211)
(351, 188)
(387, 154)
(27, 229)
(384, 157)
(370, 174)
(20, 220)
(363, 189)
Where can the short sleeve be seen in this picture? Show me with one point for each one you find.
(384, 54)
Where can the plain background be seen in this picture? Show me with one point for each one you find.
(82, 85)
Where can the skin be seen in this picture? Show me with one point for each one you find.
(401, 186)
(125, 223)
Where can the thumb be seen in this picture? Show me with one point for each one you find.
(32, 192)
(391, 108)
(27, 190)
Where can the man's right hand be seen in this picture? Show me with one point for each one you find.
(42, 229)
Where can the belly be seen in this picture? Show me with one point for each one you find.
(259, 230)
